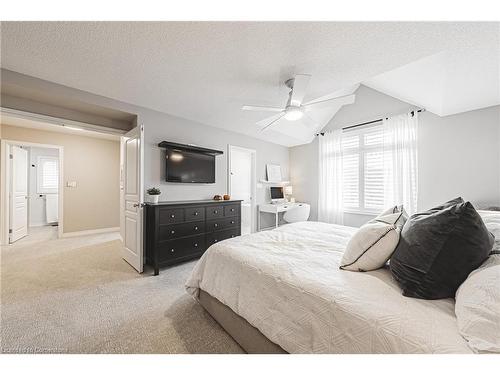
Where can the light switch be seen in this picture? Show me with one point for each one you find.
(71, 184)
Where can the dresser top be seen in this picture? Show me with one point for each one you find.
(192, 202)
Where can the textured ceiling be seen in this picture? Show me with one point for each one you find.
(205, 71)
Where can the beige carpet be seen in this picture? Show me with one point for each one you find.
(77, 295)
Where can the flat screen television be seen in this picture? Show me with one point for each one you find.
(188, 166)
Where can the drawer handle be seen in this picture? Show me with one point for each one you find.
(232, 209)
(216, 212)
(172, 231)
(195, 245)
(172, 250)
(216, 225)
(195, 228)
(196, 213)
(232, 221)
(172, 216)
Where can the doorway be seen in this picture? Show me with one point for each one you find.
(242, 183)
(31, 190)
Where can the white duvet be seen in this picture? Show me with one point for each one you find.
(287, 283)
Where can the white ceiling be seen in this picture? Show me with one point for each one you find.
(205, 71)
(449, 82)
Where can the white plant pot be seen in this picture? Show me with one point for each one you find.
(154, 198)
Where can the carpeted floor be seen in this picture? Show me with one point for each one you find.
(76, 295)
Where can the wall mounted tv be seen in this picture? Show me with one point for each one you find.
(189, 164)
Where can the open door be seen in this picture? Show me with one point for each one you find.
(132, 153)
(241, 181)
(18, 194)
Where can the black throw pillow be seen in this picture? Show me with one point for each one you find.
(439, 248)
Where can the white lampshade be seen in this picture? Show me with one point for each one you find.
(288, 190)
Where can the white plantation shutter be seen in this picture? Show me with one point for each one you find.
(363, 169)
(374, 181)
(351, 181)
(47, 175)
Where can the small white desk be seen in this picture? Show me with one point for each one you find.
(274, 209)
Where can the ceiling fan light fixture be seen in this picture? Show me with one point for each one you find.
(293, 113)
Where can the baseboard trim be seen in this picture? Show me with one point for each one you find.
(89, 232)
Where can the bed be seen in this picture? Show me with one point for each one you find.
(282, 291)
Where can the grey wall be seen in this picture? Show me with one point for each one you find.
(458, 155)
(161, 126)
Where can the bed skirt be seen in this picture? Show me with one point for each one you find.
(246, 335)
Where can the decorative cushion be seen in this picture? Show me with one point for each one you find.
(439, 248)
(477, 307)
(372, 245)
(492, 221)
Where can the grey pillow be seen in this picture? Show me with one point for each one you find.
(438, 249)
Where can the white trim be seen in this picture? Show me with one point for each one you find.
(4, 190)
(59, 121)
(254, 180)
(91, 231)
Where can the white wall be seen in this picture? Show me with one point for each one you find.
(37, 215)
(458, 155)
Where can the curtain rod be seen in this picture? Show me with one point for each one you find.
(373, 121)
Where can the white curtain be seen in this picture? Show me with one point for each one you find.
(400, 161)
(330, 203)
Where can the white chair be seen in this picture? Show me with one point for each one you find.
(299, 213)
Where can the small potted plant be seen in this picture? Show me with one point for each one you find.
(154, 194)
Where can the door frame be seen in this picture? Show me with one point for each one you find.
(5, 176)
(253, 206)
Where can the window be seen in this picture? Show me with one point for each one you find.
(47, 175)
(363, 169)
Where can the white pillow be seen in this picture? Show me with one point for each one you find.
(492, 221)
(477, 307)
(373, 244)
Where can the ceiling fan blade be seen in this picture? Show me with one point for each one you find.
(261, 108)
(266, 123)
(346, 99)
(300, 83)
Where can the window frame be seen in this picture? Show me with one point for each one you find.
(361, 151)
(39, 175)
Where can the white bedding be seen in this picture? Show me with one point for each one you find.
(287, 283)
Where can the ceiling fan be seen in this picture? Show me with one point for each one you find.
(294, 109)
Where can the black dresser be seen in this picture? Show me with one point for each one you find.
(179, 231)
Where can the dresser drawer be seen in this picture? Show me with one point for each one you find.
(232, 210)
(222, 235)
(171, 215)
(213, 212)
(169, 232)
(222, 224)
(180, 248)
(194, 213)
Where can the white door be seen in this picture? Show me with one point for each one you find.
(242, 183)
(132, 196)
(18, 194)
